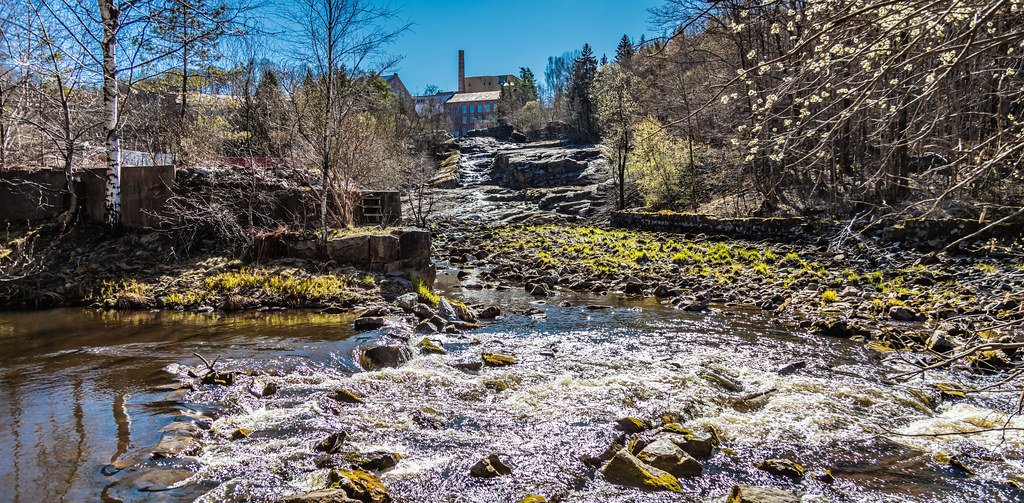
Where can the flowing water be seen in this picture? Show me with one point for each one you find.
(85, 397)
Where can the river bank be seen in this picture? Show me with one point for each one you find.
(887, 297)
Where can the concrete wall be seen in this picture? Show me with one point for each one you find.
(40, 194)
(144, 191)
(390, 210)
(31, 195)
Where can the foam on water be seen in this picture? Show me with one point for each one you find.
(621, 362)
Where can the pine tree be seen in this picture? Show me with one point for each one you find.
(625, 50)
(529, 85)
(604, 60)
(581, 106)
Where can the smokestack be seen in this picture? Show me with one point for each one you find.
(462, 71)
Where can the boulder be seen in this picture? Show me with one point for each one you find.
(632, 425)
(447, 310)
(407, 302)
(365, 323)
(698, 445)
(498, 360)
(414, 244)
(382, 356)
(345, 396)
(384, 249)
(321, 496)
(751, 494)
(360, 485)
(332, 444)
(837, 327)
(489, 313)
(428, 346)
(376, 460)
(491, 466)
(782, 467)
(625, 469)
(938, 342)
(901, 313)
(665, 455)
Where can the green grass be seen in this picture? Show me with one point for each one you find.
(425, 293)
(829, 296)
(290, 289)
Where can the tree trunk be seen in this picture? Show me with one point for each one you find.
(112, 196)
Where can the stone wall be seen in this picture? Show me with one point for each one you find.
(922, 234)
(403, 251)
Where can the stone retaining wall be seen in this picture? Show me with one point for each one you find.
(404, 251)
(921, 234)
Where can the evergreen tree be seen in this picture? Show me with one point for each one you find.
(581, 106)
(514, 97)
(604, 59)
(625, 50)
(529, 85)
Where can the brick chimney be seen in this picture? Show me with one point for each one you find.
(462, 71)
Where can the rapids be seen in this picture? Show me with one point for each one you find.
(84, 389)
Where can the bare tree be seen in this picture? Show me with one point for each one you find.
(337, 38)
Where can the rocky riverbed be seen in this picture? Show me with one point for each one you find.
(879, 297)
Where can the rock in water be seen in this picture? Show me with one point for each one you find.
(447, 311)
(783, 468)
(901, 313)
(698, 445)
(428, 346)
(665, 455)
(332, 444)
(751, 494)
(498, 360)
(378, 357)
(361, 485)
(489, 313)
(632, 425)
(625, 469)
(369, 323)
(489, 467)
(345, 396)
(321, 496)
(376, 460)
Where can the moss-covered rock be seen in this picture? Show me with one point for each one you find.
(626, 470)
(667, 456)
(428, 346)
(751, 494)
(346, 396)
(360, 485)
(498, 360)
(632, 425)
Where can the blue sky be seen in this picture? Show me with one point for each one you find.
(501, 36)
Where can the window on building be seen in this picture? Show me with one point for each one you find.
(463, 119)
(463, 108)
(487, 107)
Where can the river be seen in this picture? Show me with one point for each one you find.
(88, 394)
